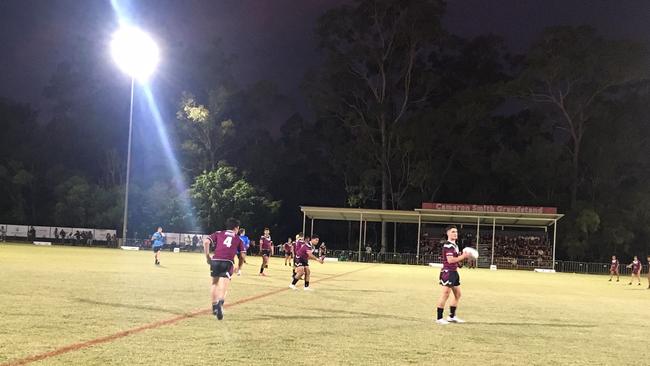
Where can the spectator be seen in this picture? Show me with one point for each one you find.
(31, 234)
(3, 233)
(195, 242)
(62, 234)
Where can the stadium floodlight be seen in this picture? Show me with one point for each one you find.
(136, 53)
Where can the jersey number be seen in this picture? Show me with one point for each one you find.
(228, 241)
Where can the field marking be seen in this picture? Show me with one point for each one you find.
(157, 324)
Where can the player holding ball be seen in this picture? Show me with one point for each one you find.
(449, 278)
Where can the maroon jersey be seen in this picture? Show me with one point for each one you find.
(297, 244)
(636, 266)
(287, 247)
(449, 248)
(266, 243)
(304, 250)
(614, 266)
(226, 245)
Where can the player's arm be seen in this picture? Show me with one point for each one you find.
(206, 249)
(272, 249)
(451, 259)
(312, 256)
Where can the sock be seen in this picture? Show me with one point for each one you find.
(262, 269)
(306, 283)
(295, 280)
(214, 307)
(440, 310)
(452, 311)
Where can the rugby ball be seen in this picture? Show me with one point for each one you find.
(471, 252)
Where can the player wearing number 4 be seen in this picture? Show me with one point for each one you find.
(226, 245)
(449, 278)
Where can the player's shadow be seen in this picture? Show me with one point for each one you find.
(349, 290)
(129, 306)
(297, 317)
(363, 314)
(550, 325)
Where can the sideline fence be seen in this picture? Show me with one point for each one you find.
(393, 258)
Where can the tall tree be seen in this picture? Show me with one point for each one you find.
(376, 73)
(569, 72)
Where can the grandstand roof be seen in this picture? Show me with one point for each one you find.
(428, 216)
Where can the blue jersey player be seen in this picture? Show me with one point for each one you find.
(247, 243)
(157, 239)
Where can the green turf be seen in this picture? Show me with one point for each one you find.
(379, 315)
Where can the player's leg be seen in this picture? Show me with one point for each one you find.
(156, 251)
(611, 274)
(240, 264)
(265, 259)
(297, 276)
(618, 277)
(218, 292)
(441, 304)
(307, 277)
(453, 305)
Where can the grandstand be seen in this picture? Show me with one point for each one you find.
(508, 236)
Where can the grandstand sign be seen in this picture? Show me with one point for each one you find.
(435, 206)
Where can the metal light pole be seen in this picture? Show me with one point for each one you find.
(128, 167)
(136, 53)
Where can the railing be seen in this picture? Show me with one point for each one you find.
(400, 258)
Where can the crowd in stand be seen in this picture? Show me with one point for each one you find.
(520, 245)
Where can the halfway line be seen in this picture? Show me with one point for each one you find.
(157, 324)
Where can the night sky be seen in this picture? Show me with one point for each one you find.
(273, 40)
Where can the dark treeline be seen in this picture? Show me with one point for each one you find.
(401, 112)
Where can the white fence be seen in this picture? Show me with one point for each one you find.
(47, 232)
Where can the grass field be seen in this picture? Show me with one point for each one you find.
(358, 314)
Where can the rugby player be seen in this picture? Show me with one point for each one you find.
(226, 244)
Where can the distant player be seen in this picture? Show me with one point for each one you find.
(303, 255)
(294, 249)
(613, 269)
(247, 243)
(226, 244)
(266, 248)
(322, 251)
(449, 278)
(288, 252)
(648, 272)
(636, 270)
(157, 240)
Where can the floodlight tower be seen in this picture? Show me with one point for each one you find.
(136, 54)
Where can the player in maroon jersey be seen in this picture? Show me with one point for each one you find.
(613, 269)
(294, 249)
(322, 250)
(648, 272)
(288, 253)
(303, 255)
(636, 270)
(226, 244)
(266, 249)
(449, 278)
